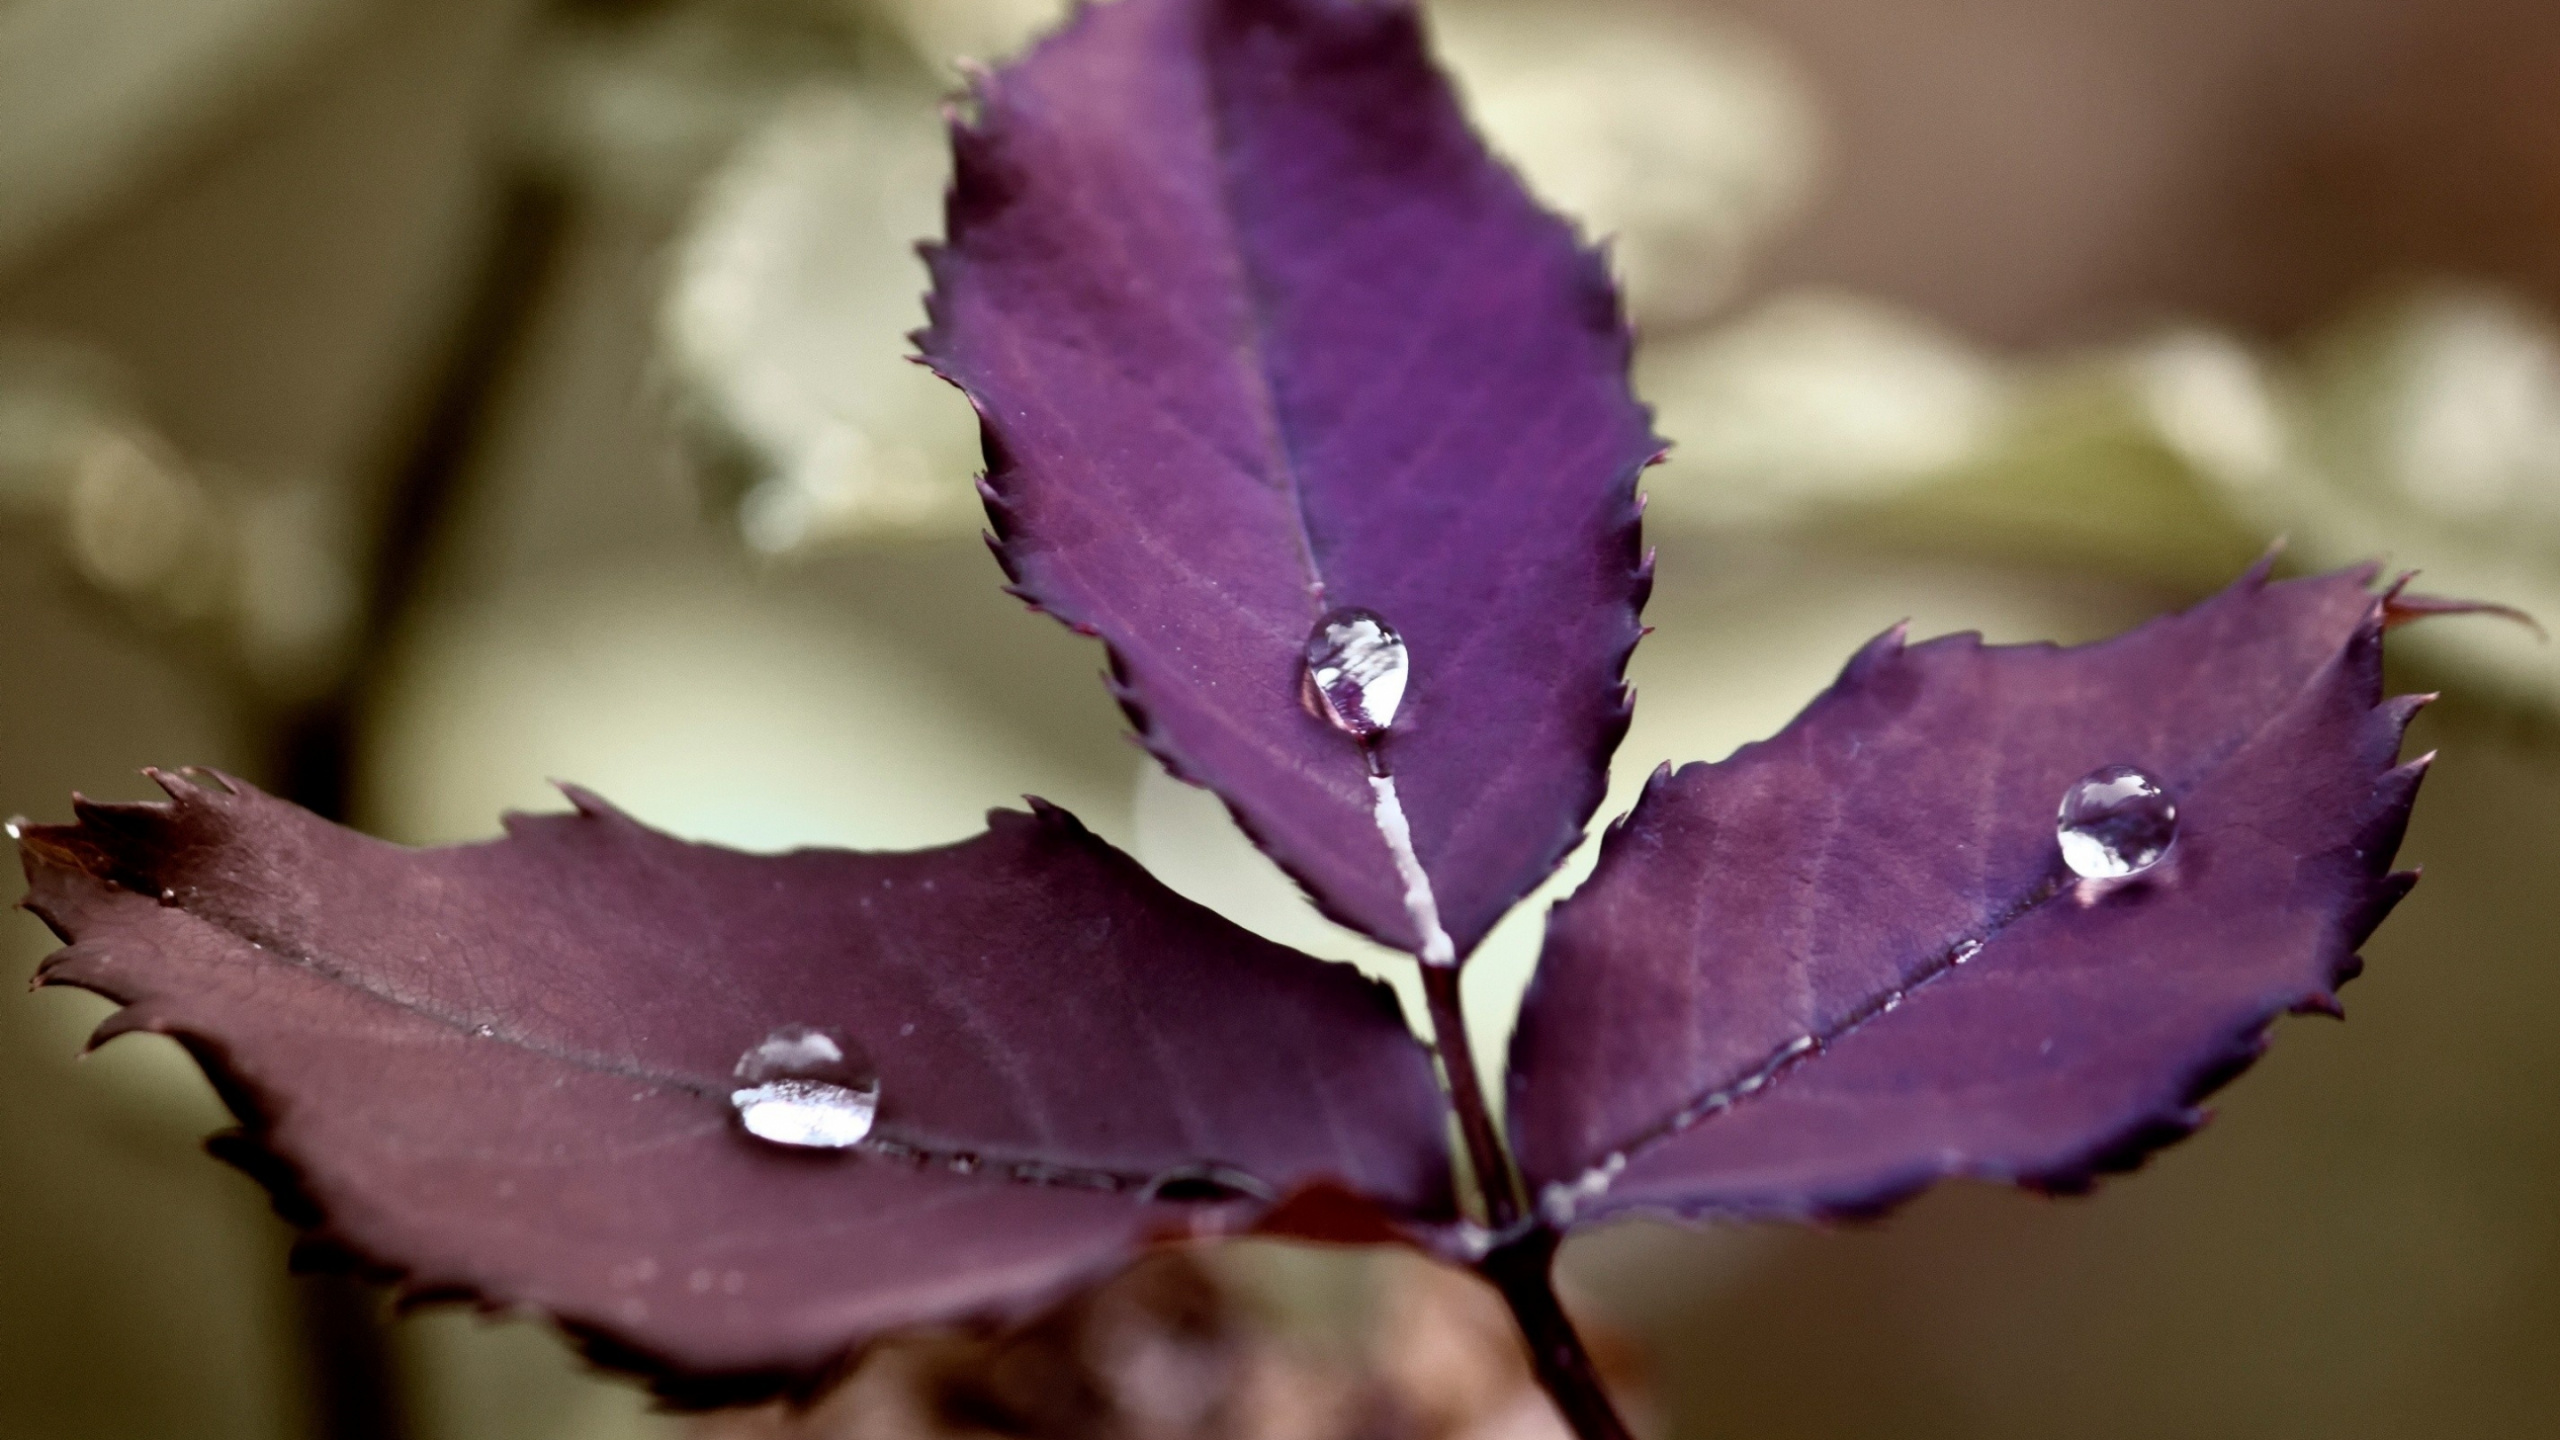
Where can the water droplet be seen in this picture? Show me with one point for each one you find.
(485, 1032)
(1205, 1185)
(2115, 821)
(810, 1114)
(800, 1052)
(1356, 665)
(807, 1088)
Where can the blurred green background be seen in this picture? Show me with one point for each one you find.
(404, 403)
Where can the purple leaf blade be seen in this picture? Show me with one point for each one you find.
(504, 1070)
(1257, 329)
(1852, 959)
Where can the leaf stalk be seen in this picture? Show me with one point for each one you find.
(1522, 1266)
(1523, 1271)
(1485, 1152)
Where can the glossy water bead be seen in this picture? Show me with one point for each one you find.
(1357, 665)
(805, 1088)
(2117, 820)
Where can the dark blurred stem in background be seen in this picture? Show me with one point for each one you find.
(1523, 1266)
(356, 1385)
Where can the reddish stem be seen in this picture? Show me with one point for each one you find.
(1523, 1271)
(1522, 1266)
(1485, 1153)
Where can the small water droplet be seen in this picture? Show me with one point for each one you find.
(1357, 666)
(1205, 1185)
(2115, 821)
(485, 1031)
(806, 1088)
(17, 827)
(800, 1052)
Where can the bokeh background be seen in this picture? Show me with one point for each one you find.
(403, 402)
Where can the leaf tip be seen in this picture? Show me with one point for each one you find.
(2262, 570)
(2401, 606)
(584, 802)
(129, 1020)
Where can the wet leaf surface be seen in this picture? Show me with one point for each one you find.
(1257, 329)
(505, 1070)
(1850, 960)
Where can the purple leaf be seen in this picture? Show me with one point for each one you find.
(506, 1070)
(1257, 330)
(1851, 960)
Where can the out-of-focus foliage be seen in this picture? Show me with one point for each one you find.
(949, 32)
(259, 571)
(94, 94)
(785, 327)
(638, 102)
(2424, 428)
(1812, 398)
(1254, 1342)
(1674, 132)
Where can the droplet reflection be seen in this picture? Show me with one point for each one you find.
(1358, 666)
(806, 1088)
(2115, 821)
(1205, 1185)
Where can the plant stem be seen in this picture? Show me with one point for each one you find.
(1521, 1267)
(1522, 1270)
(1485, 1153)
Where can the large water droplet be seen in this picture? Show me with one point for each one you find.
(1357, 665)
(2115, 821)
(807, 1088)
